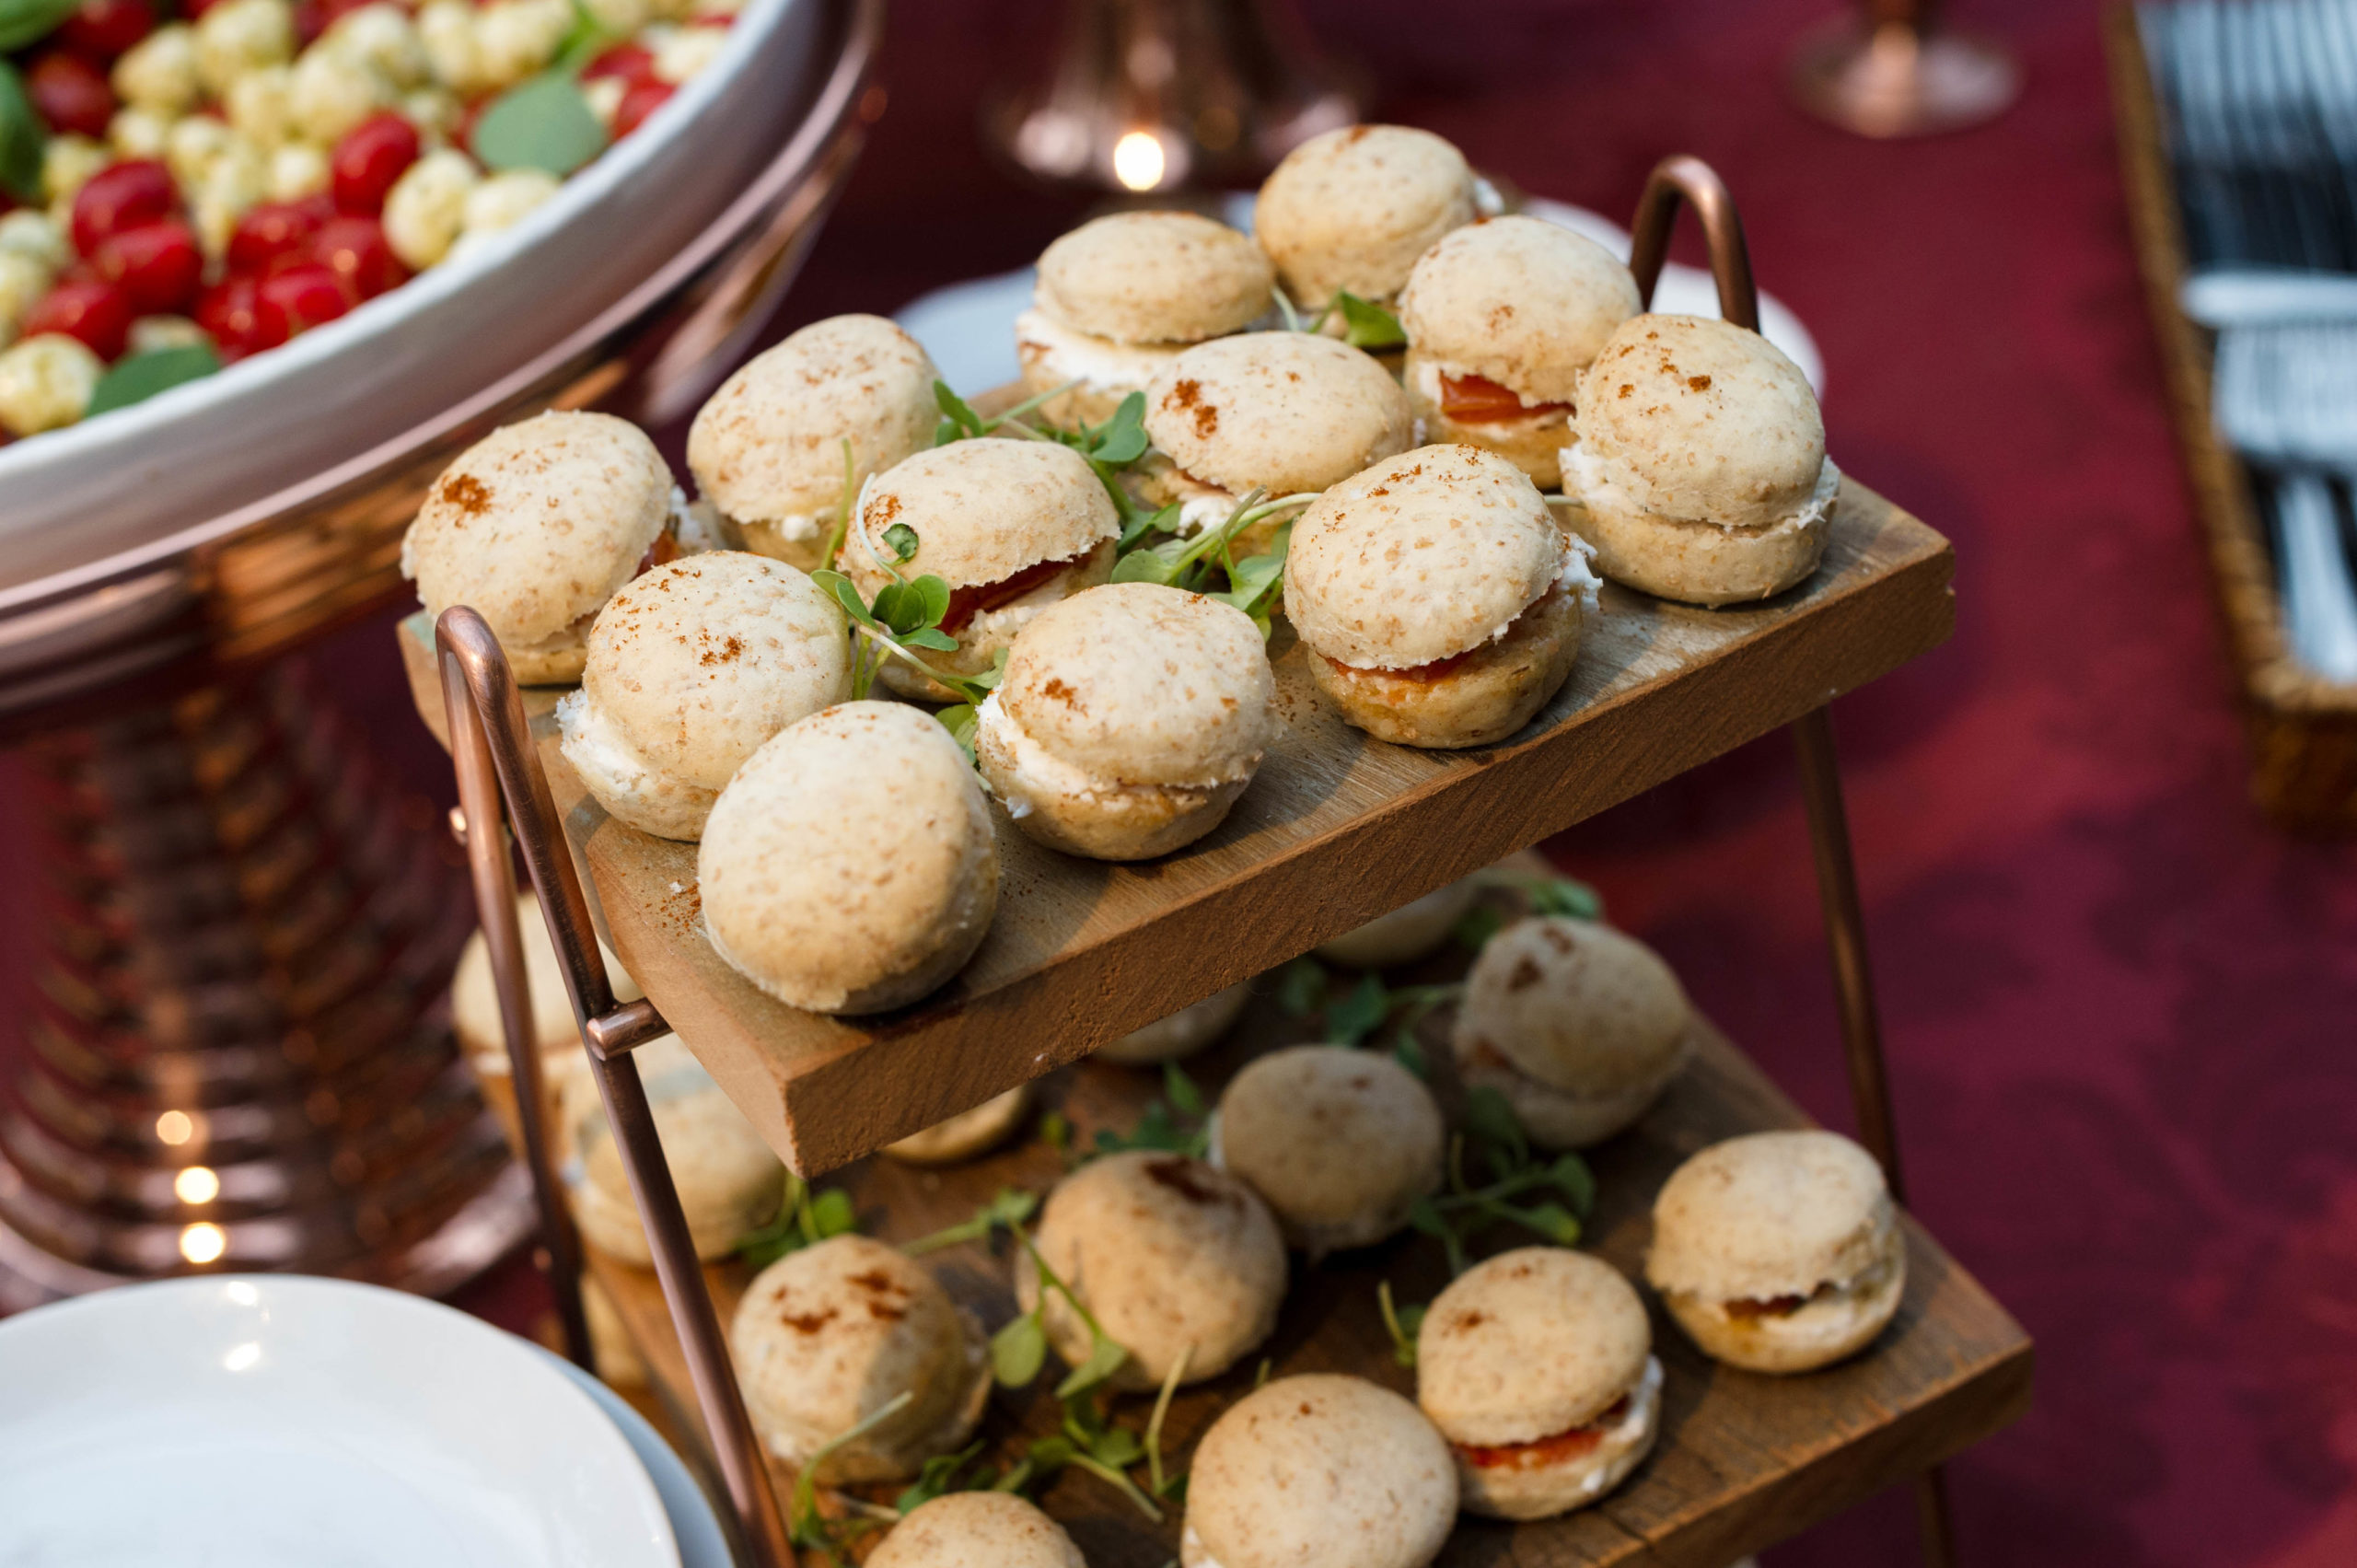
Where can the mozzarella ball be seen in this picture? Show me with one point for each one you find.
(687, 51)
(23, 279)
(605, 96)
(382, 38)
(297, 169)
(447, 29)
(29, 233)
(192, 144)
(149, 333)
(621, 18)
(66, 164)
(236, 179)
(260, 105)
(502, 200)
(330, 94)
(159, 72)
(137, 133)
(435, 111)
(517, 38)
(427, 207)
(237, 36)
(46, 382)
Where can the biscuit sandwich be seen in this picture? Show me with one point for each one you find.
(977, 1530)
(767, 448)
(1120, 295)
(1415, 930)
(1440, 605)
(1183, 1033)
(1779, 1251)
(1352, 210)
(967, 1136)
(1699, 465)
(828, 1337)
(482, 1035)
(689, 669)
(535, 527)
(730, 1182)
(1011, 526)
(1578, 1025)
(1130, 718)
(1538, 1366)
(1500, 317)
(1338, 1142)
(850, 865)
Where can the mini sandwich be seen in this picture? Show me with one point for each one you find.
(850, 866)
(1440, 604)
(1779, 1251)
(1580, 1026)
(1413, 931)
(826, 1337)
(729, 1181)
(967, 1136)
(1318, 1471)
(1119, 296)
(767, 450)
(1013, 527)
(535, 527)
(1181, 1033)
(474, 999)
(1284, 413)
(1340, 1142)
(1500, 317)
(1538, 1366)
(1353, 209)
(1167, 1253)
(1131, 717)
(1699, 464)
(689, 669)
(977, 1530)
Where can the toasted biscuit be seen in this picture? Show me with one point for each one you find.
(1340, 1142)
(1284, 411)
(1519, 301)
(967, 1136)
(977, 1530)
(1413, 931)
(1181, 1033)
(729, 1181)
(1353, 209)
(1155, 277)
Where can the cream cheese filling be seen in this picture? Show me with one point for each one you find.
(1840, 1297)
(602, 754)
(1588, 477)
(1100, 365)
(1033, 773)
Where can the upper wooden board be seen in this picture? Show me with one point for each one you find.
(1336, 829)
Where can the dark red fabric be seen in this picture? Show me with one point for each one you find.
(2119, 1008)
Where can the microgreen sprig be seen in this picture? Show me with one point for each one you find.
(1183, 561)
(1402, 1323)
(1009, 1206)
(1365, 324)
(1110, 448)
(1351, 1016)
(805, 1219)
(1542, 894)
(808, 1528)
(1178, 1122)
(1462, 1210)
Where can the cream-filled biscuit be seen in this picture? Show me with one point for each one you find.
(1340, 1142)
(1350, 210)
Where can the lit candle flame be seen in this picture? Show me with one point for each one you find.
(203, 1243)
(197, 1184)
(1137, 160)
(175, 1127)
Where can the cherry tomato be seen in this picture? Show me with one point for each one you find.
(291, 302)
(354, 248)
(120, 196)
(310, 21)
(462, 134)
(226, 312)
(642, 100)
(370, 158)
(193, 10)
(273, 234)
(102, 30)
(631, 62)
(157, 267)
(71, 93)
(91, 310)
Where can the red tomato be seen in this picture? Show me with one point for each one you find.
(310, 21)
(638, 103)
(71, 93)
(101, 29)
(132, 194)
(353, 248)
(1477, 398)
(192, 10)
(291, 302)
(91, 310)
(271, 234)
(631, 62)
(370, 158)
(157, 267)
(226, 311)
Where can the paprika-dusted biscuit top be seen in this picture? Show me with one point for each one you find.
(983, 510)
(535, 527)
(1155, 277)
(1353, 209)
(1519, 301)
(977, 1530)
(1339, 1141)
(1284, 412)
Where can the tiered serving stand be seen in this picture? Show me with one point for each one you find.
(1336, 829)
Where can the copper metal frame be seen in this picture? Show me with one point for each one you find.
(492, 749)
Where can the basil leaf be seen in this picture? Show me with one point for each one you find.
(545, 122)
(901, 539)
(1105, 1358)
(1367, 324)
(22, 136)
(143, 376)
(1018, 1351)
(28, 22)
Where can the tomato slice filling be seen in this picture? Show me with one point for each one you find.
(1477, 398)
(662, 553)
(1440, 668)
(1575, 1444)
(967, 603)
(1749, 1307)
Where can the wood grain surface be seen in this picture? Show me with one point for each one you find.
(1336, 829)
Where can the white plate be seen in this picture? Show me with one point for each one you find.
(702, 1542)
(265, 1420)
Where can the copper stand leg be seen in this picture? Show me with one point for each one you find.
(473, 665)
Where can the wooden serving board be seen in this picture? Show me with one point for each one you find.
(1744, 1460)
(1336, 829)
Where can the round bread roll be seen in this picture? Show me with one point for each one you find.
(826, 1337)
(850, 865)
(1013, 527)
(1579, 1025)
(1501, 317)
(1538, 1366)
(535, 526)
(729, 1181)
(1338, 1142)
(689, 669)
(474, 996)
(1700, 463)
(611, 1349)
(1318, 1471)
(1181, 1033)
(1166, 1253)
(1287, 412)
(1440, 604)
(767, 448)
(1353, 209)
(1413, 931)
(977, 1530)
(1779, 1251)
(1131, 717)
(967, 1136)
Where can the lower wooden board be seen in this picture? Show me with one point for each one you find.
(1744, 1460)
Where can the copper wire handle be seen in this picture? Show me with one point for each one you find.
(1700, 185)
(492, 749)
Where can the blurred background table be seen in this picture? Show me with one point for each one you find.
(2118, 1006)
